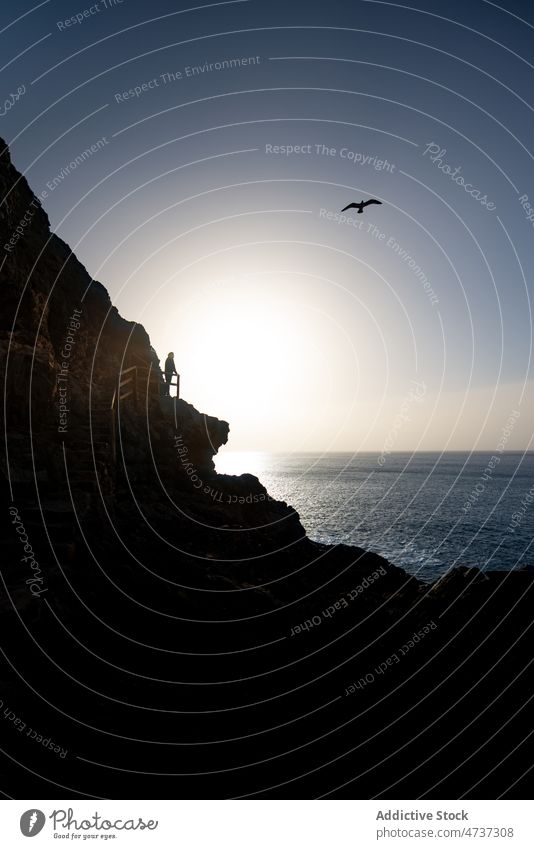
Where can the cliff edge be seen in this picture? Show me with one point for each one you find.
(175, 630)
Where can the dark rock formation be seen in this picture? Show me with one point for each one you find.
(174, 631)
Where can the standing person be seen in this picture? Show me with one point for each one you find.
(170, 369)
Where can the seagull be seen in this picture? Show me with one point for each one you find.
(359, 206)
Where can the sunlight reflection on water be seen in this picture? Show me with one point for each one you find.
(242, 462)
(410, 510)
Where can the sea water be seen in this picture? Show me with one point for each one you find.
(424, 511)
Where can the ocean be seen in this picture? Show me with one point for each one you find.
(424, 511)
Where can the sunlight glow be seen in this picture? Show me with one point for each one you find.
(250, 348)
(229, 462)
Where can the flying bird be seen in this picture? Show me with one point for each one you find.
(359, 206)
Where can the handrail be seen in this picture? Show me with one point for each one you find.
(129, 378)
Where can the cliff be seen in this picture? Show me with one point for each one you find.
(175, 629)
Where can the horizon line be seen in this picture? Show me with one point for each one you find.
(380, 451)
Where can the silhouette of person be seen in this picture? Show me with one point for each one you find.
(170, 369)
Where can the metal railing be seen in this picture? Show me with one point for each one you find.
(128, 387)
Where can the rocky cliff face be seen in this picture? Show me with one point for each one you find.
(176, 628)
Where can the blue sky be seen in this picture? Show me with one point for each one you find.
(226, 138)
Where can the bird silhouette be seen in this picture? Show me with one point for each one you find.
(359, 206)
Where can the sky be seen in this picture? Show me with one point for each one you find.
(225, 138)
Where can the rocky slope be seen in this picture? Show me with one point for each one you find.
(173, 631)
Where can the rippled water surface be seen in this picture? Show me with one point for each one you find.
(425, 511)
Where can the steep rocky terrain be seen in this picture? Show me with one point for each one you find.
(173, 631)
